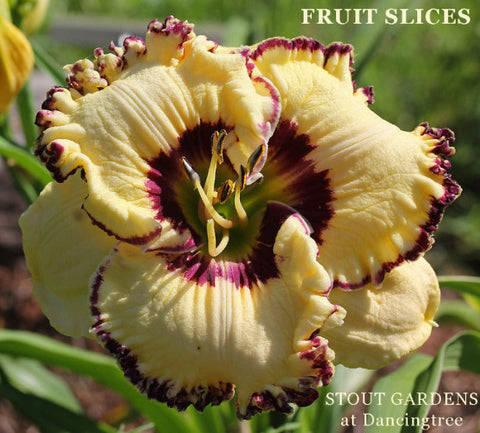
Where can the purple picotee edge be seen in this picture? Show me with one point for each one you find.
(424, 240)
(166, 391)
(134, 240)
(302, 43)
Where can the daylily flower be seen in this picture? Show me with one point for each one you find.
(16, 62)
(230, 189)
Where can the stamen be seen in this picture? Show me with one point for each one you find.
(255, 157)
(195, 179)
(220, 220)
(213, 249)
(218, 139)
(210, 197)
(241, 179)
(239, 186)
(190, 172)
(225, 191)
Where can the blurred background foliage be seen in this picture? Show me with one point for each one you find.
(419, 73)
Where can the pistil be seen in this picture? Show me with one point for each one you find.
(211, 211)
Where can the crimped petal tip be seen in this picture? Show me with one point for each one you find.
(382, 191)
(386, 323)
(126, 109)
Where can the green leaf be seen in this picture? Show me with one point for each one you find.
(31, 377)
(258, 424)
(401, 381)
(141, 429)
(324, 416)
(473, 301)
(48, 416)
(461, 353)
(462, 284)
(458, 312)
(420, 374)
(287, 427)
(44, 61)
(468, 286)
(27, 112)
(211, 420)
(23, 183)
(24, 159)
(101, 368)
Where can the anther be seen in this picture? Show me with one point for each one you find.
(218, 138)
(255, 157)
(225, 191)
(190, 172)
(242, 178)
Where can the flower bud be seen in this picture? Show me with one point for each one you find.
(34, 17)
(16, 62)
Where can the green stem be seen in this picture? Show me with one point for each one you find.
(23, 185)
(22, 158)
(26, 110)
(47, 63)
(9, 150)
(5, 127)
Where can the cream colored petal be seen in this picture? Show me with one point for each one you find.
(63, 250)
(385, 189)
(190, 330)
(386, 323)
(127, 109)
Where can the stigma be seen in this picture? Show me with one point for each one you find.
(211, 195)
